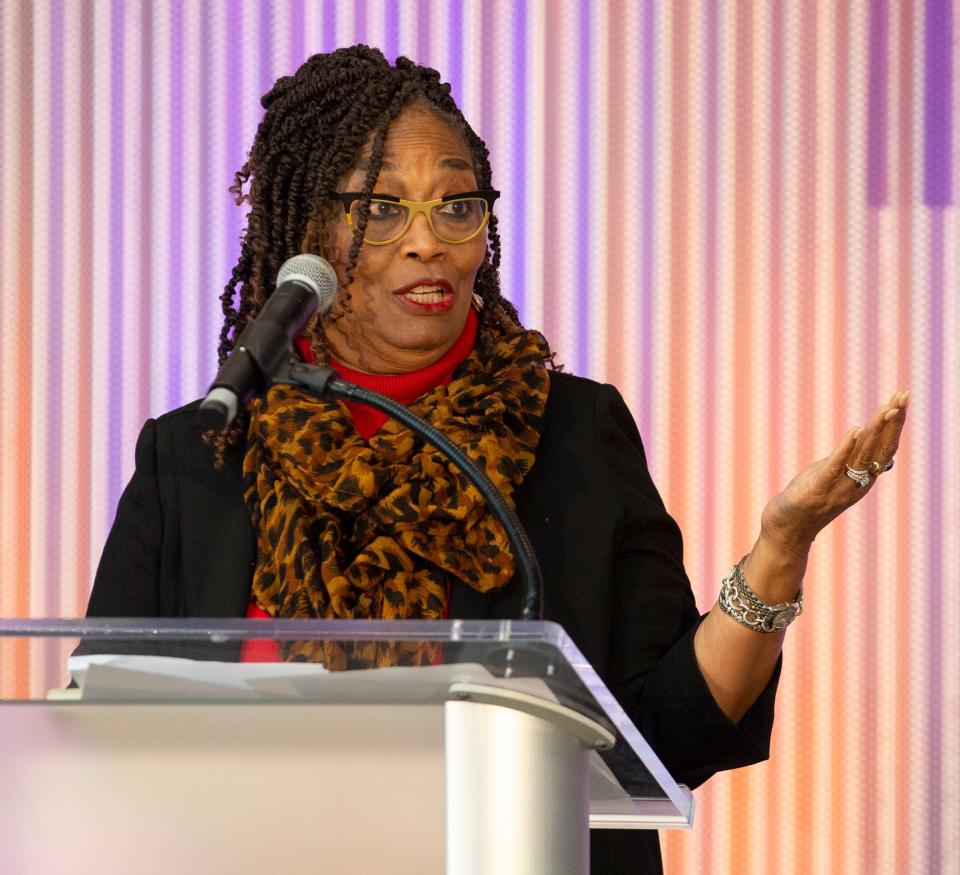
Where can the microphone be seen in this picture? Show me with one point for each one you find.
(305, 284)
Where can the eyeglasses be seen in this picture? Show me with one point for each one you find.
(454, 218)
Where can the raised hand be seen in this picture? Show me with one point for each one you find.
(821, 492)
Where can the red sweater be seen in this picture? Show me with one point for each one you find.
(403, 388)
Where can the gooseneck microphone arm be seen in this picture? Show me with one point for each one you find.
(323, 381)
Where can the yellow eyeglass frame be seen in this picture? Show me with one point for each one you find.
(349, 198)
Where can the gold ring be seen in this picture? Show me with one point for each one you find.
(878, 468)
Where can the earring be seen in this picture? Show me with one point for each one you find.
(477, 302)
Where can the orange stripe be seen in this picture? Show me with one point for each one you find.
(680, 289)
(744, 331)
(839, 839)
(678, 324)
(22, 274)
(616, 158)
(905, 199)
(678, 327)
(807, 283)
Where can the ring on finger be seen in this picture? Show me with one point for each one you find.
(859, 476)
(878, 468)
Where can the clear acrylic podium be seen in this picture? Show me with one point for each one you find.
(496, 754)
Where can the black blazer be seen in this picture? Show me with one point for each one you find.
(182, 545)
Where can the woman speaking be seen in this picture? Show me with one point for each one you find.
(307, 507)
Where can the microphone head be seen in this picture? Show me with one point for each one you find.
(314, 272)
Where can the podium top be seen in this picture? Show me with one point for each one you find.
(337, 662)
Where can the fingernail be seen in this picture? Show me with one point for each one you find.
(904, 398)
(891, 413)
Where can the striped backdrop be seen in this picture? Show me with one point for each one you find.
(742, 214)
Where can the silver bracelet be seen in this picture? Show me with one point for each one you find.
(740, 602)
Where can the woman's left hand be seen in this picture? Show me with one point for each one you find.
(820, 493)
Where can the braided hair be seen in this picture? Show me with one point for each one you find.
(315, 124)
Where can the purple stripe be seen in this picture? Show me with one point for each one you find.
(938, 103)
(487, 25)
(264, 48)
(207, 195)
(877, 89)
(422, 53)
(647, 113)
(359, 21)
(454, 71)
(145, 182)
(517, 292)
(935, 526)
(54, 343)
(234, 149)
(585, 232)
(178, 195)
(296, 37)
(116, 450)
(391, 29)
(329, 36)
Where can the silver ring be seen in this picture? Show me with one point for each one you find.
(861, 478)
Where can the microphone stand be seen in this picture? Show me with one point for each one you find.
(323, 381)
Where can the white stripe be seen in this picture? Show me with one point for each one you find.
(498, 133)
(250, 91)
(194, 203)
(661, 407)
(376, 24)
(850, 697)
(826, 431)
(473, 61)
(279, 48)
(890, 659)
(74, 576)
(439, 56)
(407, 29)
(564, 136)
(163, 347)
(43, 384)
(100, 426)
(916, 697)
(129, 234)
(950, 623)
(312, 25)
(219, 260)
(757, 361)
(344, 24)
(695, 368)
(599, 171)
(533, 169)
(725, 388)
(625, 75)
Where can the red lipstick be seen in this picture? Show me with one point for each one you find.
(427, 295)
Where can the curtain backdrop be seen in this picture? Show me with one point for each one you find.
(741, 214)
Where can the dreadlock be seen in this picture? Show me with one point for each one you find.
(314, 126)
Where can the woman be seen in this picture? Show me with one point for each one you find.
(311, 509)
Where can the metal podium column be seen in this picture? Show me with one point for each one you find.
(517, 783)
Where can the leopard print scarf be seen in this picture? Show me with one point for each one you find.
(348, 529)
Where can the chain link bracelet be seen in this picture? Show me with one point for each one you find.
(740, 602)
